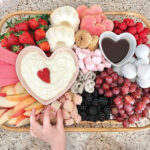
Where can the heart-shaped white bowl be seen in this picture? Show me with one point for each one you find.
(127, 36)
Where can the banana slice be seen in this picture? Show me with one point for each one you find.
(60, 36)
(66, 16)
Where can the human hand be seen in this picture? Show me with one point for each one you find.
(53, 135)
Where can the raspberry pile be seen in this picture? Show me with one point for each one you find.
(130, 103)
(137, 29)
(94, 107)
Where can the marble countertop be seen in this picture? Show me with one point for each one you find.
(81, 141)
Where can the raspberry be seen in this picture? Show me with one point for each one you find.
(146, 30)
(145, 40)
(139, 27)
(148, 45)
(117, 31)
(142, 34)
(136, 36)
(129, 22)
(132, 30)
(123, 26)
(139, 41)
(116, 23)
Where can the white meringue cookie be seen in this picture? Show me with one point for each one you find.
(143, 83)
(143, 71)
(129, 71)
(132, 60)
(142, 51)
(140, 62)
(118, 70)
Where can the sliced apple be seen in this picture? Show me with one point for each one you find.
(19, 97)
(9, 90)
(35, 105)
(22, 120)
(7, 104)
(12, 121)
(16, 114)
(19, 89)
(5, 117)
(28, 113)
(24, 104)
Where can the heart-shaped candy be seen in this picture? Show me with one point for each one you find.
(47, 78)
(117, 49)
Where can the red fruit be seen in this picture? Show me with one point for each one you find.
(100, 91)
(117, 100)
(12, 29)
(142, 34)
(148, 45)
(133, 87)
(139, 41)
(137, 94)
(127, 82)
(139, 27)
(44, 46)
(121, 111)
(114, 76)
(97, 86)
(132, 30)
(123, 26)
(48, 54)
(117, 31)
(119, 106)
(145, 113)
(129, 22)
(99, 81)
(3, 94)
(132, 119)
(129, 100)
(145, 40)
(124, 115)
(120, 80)
(39, 34)
(125, 123)
(136, 36)
(21, 27)
(146, 30)
(128, 107)
(110, 71)
(108, 79)
(125, 90)
(137, 110)
(114, 111)
(138, 117)
(141, 105)
(17, 48)
(116, 90)
(103, 74)
(108, 93)
(116, 23)
(5, 43)
(43, 22)
(130, 113)
(106, 86)
(26, 38)
(13, 40)
(44, 75)
(119, 119)
(33, 23)
(146, 90)
(146, 99)
(114, 84)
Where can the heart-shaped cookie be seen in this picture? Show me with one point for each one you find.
(47, 78)
(117, 49)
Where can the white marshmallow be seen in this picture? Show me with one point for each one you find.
(118, 70)
(143, 83)
(132, 60)
(140, 62)
(129, 71)
(143, 71)
(142, 51)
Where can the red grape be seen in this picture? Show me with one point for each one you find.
(110, 71)
(125, 90)
(116, 90)
(101, 91)
(103, 74)
(121, 111)
(120, 80)
(114, 76)
(146, 99)
(106, 86)
(108, 93)
(133, 87)
(128, 107)
(117, 100)
(108, 79)
(125, 123)
(130, 113)
(132, 119)
(114, 84)
(119, 119)
(145, 113)
(119, 106)
(99, 80)
(114, 111)
(129, 100)
(141, 105)
(127, 82)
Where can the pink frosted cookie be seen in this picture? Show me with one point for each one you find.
(80, 10)
(108, 24)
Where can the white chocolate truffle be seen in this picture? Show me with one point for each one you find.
(132, 60)
(118, 70)
(129, 71)
(140, 62)
(143, 83)
(142, 51)
(143, 71)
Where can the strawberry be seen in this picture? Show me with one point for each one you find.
(5, 43)
(13, 40)
(43, 22)
(12, 29)
(44, 45)
(26, 38)
(17, 48)
(33, 23)
(39, 34)
(21, 27)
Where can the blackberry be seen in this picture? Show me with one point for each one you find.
(95, 102)
(95, 93)
(101, 116)
(106, 110)
(92, 110)
(87, 102)
(82, 107)
(83, 115)
(99, 108)
(103, 101)
(107, 116)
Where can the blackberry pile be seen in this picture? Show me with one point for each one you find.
(94, 107)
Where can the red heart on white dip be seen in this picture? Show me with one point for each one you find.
(62, 65)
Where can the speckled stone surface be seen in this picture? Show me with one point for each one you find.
(81, 141)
